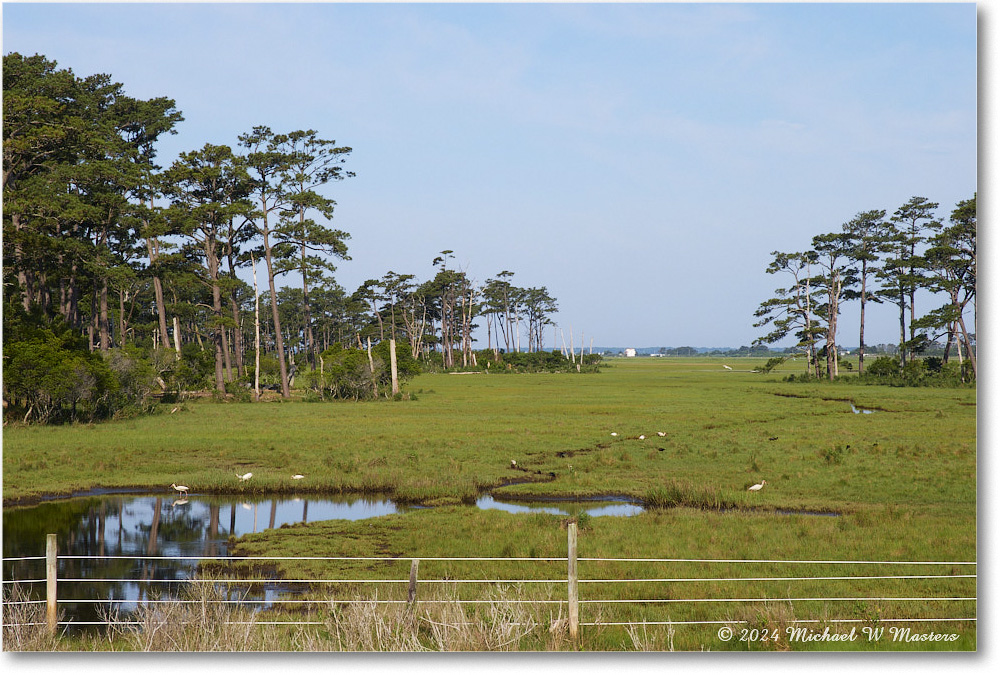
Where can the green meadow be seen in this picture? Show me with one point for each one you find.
(901, 482)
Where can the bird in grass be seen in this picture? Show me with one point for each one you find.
(298, 476)
(183, 489)
(758, 486)
(614, 433)
(661, 433)
(513, 463)
(245, 477)
(642, 438)
(727, 367)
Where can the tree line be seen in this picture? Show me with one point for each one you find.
(114, 265)
(881, 260)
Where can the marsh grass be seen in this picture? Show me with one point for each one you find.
(722, 432)
(681, 493)
(678, 532)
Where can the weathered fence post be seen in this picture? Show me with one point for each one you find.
(412, 595)
(574, 598)
(50, 581)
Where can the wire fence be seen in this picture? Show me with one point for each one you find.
(623, 600)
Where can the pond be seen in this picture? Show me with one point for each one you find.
(129, 529)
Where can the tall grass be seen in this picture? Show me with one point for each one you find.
(676, 493)
(201, 622)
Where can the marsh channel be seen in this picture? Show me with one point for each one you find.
(142, 546)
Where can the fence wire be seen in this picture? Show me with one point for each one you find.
(514, 582)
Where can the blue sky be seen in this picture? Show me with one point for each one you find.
(640, 161)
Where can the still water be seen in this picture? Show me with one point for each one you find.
(128, 530)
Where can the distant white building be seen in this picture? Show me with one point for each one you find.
(629, 353)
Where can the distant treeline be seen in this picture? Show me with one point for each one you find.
(876, 260)
(929, 349)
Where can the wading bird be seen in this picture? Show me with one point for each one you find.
(298, 476)
(727, 367)
(614, 433)
(183, 489)
(246, 476)
(661, 433)
(758, 486)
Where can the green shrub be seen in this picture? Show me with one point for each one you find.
(348, 373)
(883, 366)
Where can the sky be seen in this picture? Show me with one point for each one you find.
(640, 161)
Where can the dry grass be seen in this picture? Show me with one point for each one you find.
(201, 623)
(24, 625)
(500, 624)
(645, 638)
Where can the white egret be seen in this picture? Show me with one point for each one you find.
(727, 367)
(513, 463)
(183, 489)
(614, 433)
(758, 486)
(298, 476)
(245, 477)
(642, 438)
(661, 433)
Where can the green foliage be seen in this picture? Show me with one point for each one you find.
(929, 372)
(348, 373)
(195, 369)
(50, 375)
(536, 362)
(883, 367)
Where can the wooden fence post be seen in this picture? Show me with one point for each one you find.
(50, 582)
(574, 598)
(412, 595)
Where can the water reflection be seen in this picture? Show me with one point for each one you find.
(135, 533)
(137, 539)
(563, 508)
(133, 536)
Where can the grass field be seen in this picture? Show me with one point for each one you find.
(902, 478)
